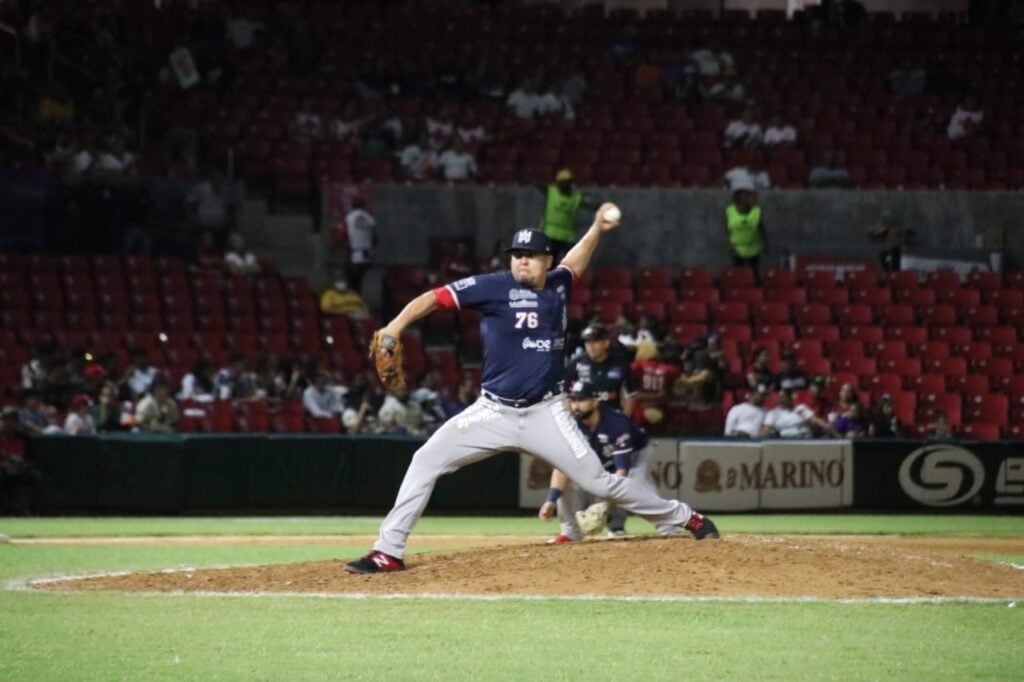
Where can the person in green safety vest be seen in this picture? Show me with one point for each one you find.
(744, 228)
(563, 203)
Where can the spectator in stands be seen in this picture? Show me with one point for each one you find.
(290, 380)
(114, 159)
(79, 421)
(730, 92)
(339, 299)
(360, 232)
(751, 175)
(139, 374)
(234, 381)
(779, 134)
(398, 415)
(359, 419)
(106, 413)
(746, 419)
(966, 120)
(238, 259)
(744, 229)
(157, 412)
(18, 477)
(829, 174)
(213, 201)
(199, 384)
(32, 415)
(685, 84)
(417, 159)
(35, 372)
(561, 209)
(307, 125)
(743, 132)
(852, 423)
(439, 128)
(524, 101)
(713, 60)
(320, 399)
(790, 376)
(760, 373)
(939, 428)
(893, 235)
(703, 385)
(790, 420)
(465, 395)
(846, 397)
(459, 264)
(884, 422)
(429, 402)
(456, 163)
(818, 398)
(470, 130)
(345, 126)
(654, 378)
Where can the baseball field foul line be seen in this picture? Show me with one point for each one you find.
(30, 585)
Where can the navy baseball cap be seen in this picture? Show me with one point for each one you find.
(530, 240)
(581, 390)
(595, 332)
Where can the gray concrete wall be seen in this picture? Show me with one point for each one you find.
(685, 227)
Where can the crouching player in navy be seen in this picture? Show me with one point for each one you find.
(523, 320)
(620, 445)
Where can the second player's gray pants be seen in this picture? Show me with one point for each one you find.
(575, 499)
(546, 430)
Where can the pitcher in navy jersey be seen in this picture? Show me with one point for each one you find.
(523, 321)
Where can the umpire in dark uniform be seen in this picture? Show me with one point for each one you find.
(612, 378)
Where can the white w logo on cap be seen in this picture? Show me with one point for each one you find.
(524, 236)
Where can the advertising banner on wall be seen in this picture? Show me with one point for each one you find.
(730, 476)
(907, 474)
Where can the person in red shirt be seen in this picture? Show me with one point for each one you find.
(653, 377)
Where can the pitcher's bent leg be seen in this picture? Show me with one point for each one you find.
(555, 437)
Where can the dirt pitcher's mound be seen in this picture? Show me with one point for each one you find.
(765, 566)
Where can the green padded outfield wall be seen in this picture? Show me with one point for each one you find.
(184, 474)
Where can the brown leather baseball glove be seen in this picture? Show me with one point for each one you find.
(386, 353)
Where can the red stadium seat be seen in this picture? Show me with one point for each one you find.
(905, 367)
(790, 296)
(990, 408)
(822, 332)
(772, 313)
(813, 313)
(908, 333)
(980, 431)
(689, 311)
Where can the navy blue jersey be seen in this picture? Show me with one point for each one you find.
(611, 378)
(615, 439)
(522, 330)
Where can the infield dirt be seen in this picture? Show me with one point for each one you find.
(738, 565)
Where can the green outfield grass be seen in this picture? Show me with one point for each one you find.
(96, 636)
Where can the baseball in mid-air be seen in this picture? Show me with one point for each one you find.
(612, 214)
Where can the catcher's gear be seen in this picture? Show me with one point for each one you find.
(386, 353)
(593, 519)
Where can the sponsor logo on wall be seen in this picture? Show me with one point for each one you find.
(941, 475)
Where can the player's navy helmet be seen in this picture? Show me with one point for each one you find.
(530, 240)
(595, 332)
(581, 390)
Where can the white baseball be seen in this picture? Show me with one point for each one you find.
(613, 214)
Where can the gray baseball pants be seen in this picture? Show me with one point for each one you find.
(575, 499)
(546, 430)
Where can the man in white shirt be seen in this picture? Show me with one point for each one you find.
(746, 419)
(238, 260)
(359, 228)
(524, 100)
(965, 120)
(319, 400)
(790, 420)
(744, 131)
(417, 158)
(753, 176)
(470, 131)
(456, 163)
(79, 421)
(779, 134)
